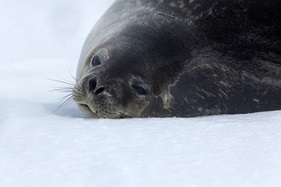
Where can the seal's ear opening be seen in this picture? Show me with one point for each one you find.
(95, 61)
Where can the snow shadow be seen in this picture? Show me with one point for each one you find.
(63, 111)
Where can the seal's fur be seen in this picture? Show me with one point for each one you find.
(147, 58)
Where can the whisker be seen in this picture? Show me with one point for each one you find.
(66, 88)
(67, 96)
(67, 101)
(63, 90)
(64, 82)
(71, 76)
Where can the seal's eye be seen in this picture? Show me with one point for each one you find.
(95, 61)
(139, 89)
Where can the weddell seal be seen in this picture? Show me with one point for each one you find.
(182, 58)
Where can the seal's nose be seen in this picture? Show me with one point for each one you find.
(99, 90)
(93, 87)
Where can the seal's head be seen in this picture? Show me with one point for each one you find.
(105, 91)
(124, 76)
(128, 62)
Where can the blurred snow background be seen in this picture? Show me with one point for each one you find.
(39, 146)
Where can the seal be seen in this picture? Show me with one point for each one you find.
(182, 58)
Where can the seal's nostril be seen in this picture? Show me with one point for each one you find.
(92, 85)
(99, 90)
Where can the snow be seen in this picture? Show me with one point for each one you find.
(46, 147)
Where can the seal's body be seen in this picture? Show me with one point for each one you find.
(163, 58)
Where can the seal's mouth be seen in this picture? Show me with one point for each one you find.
(85, 107)
(87, 110)
(90, 112)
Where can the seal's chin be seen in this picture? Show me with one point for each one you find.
(92, 113)
(87, 111)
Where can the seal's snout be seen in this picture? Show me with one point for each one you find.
(94, 88)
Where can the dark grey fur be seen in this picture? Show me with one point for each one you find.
(162, 58)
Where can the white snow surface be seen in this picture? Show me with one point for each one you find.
(42, 146)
